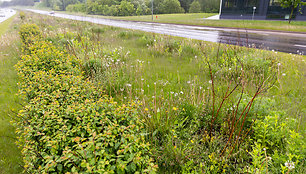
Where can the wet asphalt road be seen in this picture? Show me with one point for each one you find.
(6, 13)
(278, 41)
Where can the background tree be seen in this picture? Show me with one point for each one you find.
(126, 8)
(18, 2)
(185, 4)
(132, 7)
(195, 7)
(80, 7)
(292, 4)
(156, 5)
(171, 6)
(210, 6)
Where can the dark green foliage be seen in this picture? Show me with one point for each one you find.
(292, 4)
(185, 4)
(76, 8)
(126, 9)
(133, 7)
(171, 6)
(195, 7)
(62, 4)
(210, 6)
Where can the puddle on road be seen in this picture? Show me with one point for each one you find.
(279, 43)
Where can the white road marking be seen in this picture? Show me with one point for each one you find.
(304, 46)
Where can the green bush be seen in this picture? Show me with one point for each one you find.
(22, 15)
(281, 143)
(76, 8)
(28, 34)
(69, 125)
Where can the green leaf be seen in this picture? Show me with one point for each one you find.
(60, 167)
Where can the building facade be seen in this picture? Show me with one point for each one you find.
(258, 9)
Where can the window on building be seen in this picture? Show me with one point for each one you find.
(239, 6)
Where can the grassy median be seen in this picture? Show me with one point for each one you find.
(205, 107)
(10, 157)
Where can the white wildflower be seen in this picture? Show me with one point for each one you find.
(289, 165)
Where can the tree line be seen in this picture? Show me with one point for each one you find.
(18, 3)
(133, 7)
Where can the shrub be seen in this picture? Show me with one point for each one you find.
(281, 142)
(28, 34)
(22, 15)
(76, 8)
(69, 125)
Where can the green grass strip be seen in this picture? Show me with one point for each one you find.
(10, 157)
(4, 26)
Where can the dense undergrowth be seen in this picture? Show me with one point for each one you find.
(107, 99)
(67, 124)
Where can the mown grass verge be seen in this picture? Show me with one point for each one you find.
(10, 156)
(5, 25)
(198, 19)
(204, 107)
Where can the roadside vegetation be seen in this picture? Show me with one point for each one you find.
(105, 99)
(133, 7)
(10, 156)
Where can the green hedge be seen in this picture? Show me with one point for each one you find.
(70, 126)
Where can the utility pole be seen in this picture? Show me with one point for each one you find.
(152, 10)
